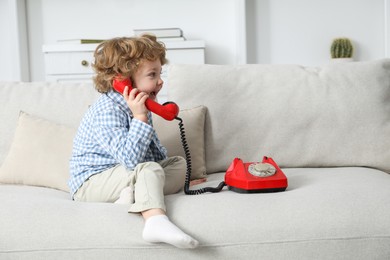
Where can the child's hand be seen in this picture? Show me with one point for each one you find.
(136, 103)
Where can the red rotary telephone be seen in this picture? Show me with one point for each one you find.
(245, 178)
(168, 110)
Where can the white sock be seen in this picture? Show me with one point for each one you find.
(126, 196)
(160, 229)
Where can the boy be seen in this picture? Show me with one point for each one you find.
(117, 156)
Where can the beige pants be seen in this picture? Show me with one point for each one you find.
(150, 180)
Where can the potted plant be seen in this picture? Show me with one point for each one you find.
(341, 49)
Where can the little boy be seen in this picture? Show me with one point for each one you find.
(117, 156)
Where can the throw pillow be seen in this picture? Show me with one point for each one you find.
(39, 154)
(169, 135)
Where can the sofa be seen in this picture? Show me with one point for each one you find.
(327, 128)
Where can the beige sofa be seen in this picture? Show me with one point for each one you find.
(328, 128)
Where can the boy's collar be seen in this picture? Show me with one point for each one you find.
(118, 98)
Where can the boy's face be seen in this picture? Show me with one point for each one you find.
(147, 78)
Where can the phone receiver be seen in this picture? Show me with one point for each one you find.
(168, 110)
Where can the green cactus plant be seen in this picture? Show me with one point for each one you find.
(341, 48)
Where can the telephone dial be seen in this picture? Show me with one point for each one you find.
(240, 177)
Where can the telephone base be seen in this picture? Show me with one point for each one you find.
(238, 190)
(242, 177)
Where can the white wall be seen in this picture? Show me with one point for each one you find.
(13, 44)
(51, 20)
(5, 46)
(301, 31)
(277, 31)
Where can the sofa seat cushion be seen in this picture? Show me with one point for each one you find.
(325, 212)
(329, 116)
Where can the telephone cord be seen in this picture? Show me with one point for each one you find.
(187, 189)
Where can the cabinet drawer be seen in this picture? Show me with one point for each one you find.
(59, 63)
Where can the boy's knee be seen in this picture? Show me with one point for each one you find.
(180, 161)
(148, 166)
(151, 168)
(174, 161)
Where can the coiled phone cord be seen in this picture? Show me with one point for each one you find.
(189, 166)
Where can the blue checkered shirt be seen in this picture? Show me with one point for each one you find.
(109, 135)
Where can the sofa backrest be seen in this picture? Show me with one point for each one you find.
(335, 115)
(60, 103)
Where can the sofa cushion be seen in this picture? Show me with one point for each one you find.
(320, 216)
(39, 154)
(63, 103)
(169, 134)
(335, 115)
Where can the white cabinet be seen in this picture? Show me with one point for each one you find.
(72, 62)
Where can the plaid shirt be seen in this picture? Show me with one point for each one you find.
(108, 135)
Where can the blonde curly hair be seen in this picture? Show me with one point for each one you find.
(122, 56)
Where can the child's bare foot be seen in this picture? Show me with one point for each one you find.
(198, 181)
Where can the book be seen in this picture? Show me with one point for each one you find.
(160, 32)
(80, 41)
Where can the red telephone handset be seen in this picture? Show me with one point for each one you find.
(168, 110)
